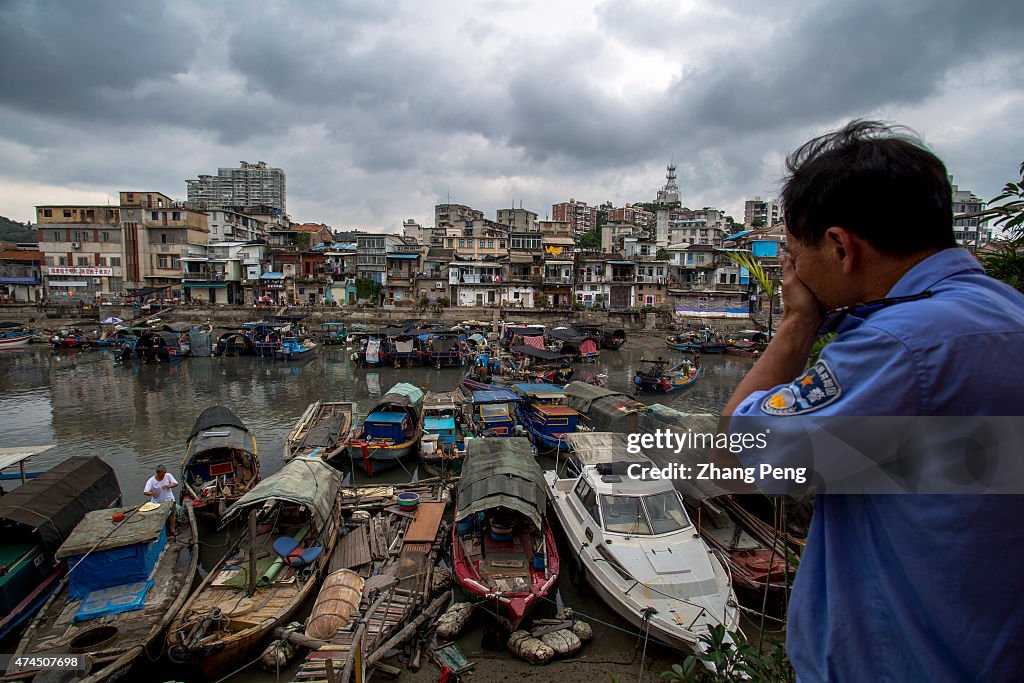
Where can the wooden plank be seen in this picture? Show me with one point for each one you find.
(352, 550)
(424, 527)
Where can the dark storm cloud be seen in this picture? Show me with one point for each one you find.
(75, 59)
(374, 106)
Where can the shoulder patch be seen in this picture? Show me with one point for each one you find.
(815, 389)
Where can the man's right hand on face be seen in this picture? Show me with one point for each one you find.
(798, 302)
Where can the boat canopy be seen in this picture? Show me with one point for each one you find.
(526, 331)
(598, 448)
(568, 334)
(437, 425)
(605, 408)
(404, 394)
(309, 482)
(221, 428)
(177, 327)
(53, 503)
(496, 396)
(539, 391)
(534, 352)
(445, 344)
(501, 473)
(443, 399)
(9, 457)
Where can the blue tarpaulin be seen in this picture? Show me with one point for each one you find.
(114, 566)
(114, 600)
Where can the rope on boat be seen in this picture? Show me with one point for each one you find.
(648, 611)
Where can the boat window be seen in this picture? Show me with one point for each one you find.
(624, 515)
(588, 498)
(495, 410)
(665, 512)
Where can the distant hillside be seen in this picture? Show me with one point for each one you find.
(13, 231)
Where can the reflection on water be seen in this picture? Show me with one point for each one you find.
(136, 416)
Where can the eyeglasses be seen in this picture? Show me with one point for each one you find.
(832, 318)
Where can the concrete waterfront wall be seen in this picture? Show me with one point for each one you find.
(229, 316)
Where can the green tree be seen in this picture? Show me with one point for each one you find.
(768, 286)
(1007, 261)
(662, 255)
(590, 240)
(368, 289)
(540, 300)
(302, 240)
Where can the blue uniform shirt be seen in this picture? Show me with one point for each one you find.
(913, 587)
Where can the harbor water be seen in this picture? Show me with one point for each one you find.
(136, 417)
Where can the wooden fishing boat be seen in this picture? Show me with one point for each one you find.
(760, 573)
(221, 461)
(570, 342)
(711, 341)
(545, 415)
(35, 519)
(637, 546)
(662, 378)
(614, 340)
(333, 333)
(390, 431)
(293, 348)
(371, 350)
(157, 347)
(266, 575)
(405, 350)
(444, 350)
(323, 431)
(503, 549)
(494, 412)
(126, 581)
(515, 335)
(15, 336)
(683, 342)
(443, 441)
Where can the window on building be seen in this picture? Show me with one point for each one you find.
(103, 260)
(154, 215)
(176, 215)
(67, 213)
(89, 213)
(163, 261)
(462, 244)
(83, 261)
(481, 244)
(732, 278)
(115, 261)
(48, 260)
(175, 262)
(48, 213)
(131, 197)
(163, 238)
(501, 244)
(451, 242)
(114, 284)
(62, 260)
(490, 244)
(57, 237)
(104, 237)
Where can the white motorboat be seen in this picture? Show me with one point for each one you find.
(636, 545)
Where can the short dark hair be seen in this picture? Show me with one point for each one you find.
(877, 181)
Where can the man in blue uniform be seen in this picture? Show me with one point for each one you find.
(894, 587)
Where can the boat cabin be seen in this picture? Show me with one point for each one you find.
(553, 420)
(493, 412)
(113, 563)
(385, 425)
(220, 460)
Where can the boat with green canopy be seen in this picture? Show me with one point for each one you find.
(390, 431)
(267, 574)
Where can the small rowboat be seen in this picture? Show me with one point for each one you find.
(663, 379)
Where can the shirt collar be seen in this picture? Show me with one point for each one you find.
(934, 269)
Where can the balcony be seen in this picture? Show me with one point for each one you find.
(205, 276)
(557, 280)
(478, 280)
(623, 278)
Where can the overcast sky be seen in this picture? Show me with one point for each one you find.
(379, 109)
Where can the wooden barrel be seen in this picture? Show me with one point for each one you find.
(338, 598)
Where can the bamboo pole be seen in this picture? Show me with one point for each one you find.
(409, 630)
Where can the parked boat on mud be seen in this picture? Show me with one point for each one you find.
(126, 581)
(266, 575)
(502, 545)
(638, 548)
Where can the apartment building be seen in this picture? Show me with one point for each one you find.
(581, 216)
(518, 220)
(229, 225)
(969, 229)
(633, 215)
(82, 251)
(158, 233)
(450, 214)
(21, 274)
(247, 185)
(761, 213)
(223, 272)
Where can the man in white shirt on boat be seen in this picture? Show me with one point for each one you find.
(159, 488)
